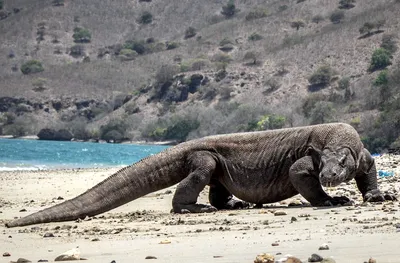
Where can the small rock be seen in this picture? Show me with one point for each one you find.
(165, 242)
(293, 219)
(372, 260)
(43, 260)
(95, 239)
(275, 244)
(48, 235)
(280, 213)
(73, 254)
(293, 260)
(150, 257)
(315, 258)
(23, 260)
(6, 254)
(264, 258)
(23, 210)
(113, 261)
(324, 247)
(60, 198)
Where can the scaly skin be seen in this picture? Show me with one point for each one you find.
(257, 167)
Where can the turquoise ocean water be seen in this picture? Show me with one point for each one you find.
(18, 154)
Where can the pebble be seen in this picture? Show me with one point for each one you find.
(150, 257)
(73, 254)
(324, 247)
(328, 260)
(48, 235)
(264, 258)
(293, 260)
(315, 258)
(23, 210)
(280, 213)
(6, 254)
(372, 260)
(22, 260)
(165, 242)
(293, 219)
(43, 260)
(275, 244)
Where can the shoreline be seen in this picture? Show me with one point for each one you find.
(34, 137)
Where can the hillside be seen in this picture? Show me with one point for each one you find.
(160, 70)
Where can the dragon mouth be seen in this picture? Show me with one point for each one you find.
(330, 183)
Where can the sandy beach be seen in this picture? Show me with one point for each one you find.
(145, 227)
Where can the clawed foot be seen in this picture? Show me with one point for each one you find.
(193, 208)
(236, 204)
(377, 196)
(336, 200)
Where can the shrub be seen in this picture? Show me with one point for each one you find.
(77, 51)
(268, 122)
(344, 83)
(1, 4)
(380, 59)
(256, 14)
(229, 9)
(58, 2)
(145, 18)
(366, 28)
(255, 37)
(136, 45)
(172, 45)
(389, 42)
(181, 129)
(382, 79)
(297, 24)
(190, 32)
(81, 35)
(317, 18)
(346, 4)
(32, 66)
(380, 23)
(127, 54)
(322, 112)
(337, 16)
(39, 84)
(109, 130)
(310, 102)
(199, 64)
(322, 76)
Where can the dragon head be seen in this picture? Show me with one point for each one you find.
(335, 166)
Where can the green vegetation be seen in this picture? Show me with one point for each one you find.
(380, 59)
(346, 4)
(255, 37)
(297, 24)
(369, 26)
(172, 45)
(317, 18)
(382, 79)
(256, 14)
(337, 16)
(145, 18)
(229, 10)
(267, 122)
(344, 83)
(322, 112)
(322, 76)
(114, 130)
(1, 4)
(127, 54)
(190, 32)
(58, 2)
(77, 50)
(32, 66)
(81, 35)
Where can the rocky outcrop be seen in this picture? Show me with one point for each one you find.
(53, 135)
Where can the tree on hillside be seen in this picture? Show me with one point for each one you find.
(229, 9)
(337, 16)
(297, 24)
(81, 35)
(366, 28)
(346, 4)
(58, 2)
(380, 59)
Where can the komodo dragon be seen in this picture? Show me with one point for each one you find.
(256, 167)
